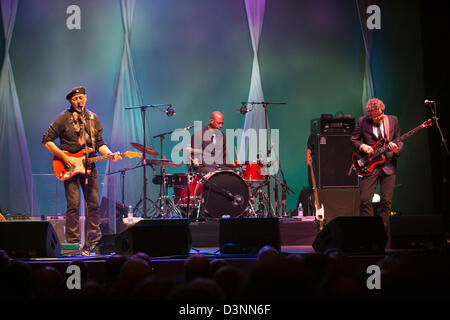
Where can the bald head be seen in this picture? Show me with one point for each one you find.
(216, 120)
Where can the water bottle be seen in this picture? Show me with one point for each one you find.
(130, 214)
(300, 210)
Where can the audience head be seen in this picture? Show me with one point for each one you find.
(199, 289)
(196, 266)
(47, 283)
(268, 254)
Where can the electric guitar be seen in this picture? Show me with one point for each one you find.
(319, 210)
(62, 172)
(365, 164)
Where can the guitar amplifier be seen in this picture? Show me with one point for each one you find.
(332, 126)
(331, 159)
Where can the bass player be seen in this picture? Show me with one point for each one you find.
(368, 131)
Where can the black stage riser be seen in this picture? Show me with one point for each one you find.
(337, 202)
(352, 235)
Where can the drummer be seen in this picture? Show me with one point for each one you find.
(213, 146)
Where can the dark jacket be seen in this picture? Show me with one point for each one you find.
(363, 133)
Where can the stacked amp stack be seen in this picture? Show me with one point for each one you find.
(331, 154)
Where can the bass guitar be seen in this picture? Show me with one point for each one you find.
(364, 164)
(319, 210)
(62, 172)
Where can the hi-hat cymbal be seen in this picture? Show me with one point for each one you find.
(189, 150)
(163, 162)
(141, 148)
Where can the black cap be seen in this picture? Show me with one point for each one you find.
(75, 91)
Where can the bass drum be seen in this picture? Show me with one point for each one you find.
(224, 194)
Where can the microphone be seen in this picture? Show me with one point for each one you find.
(191, 126)
(271, 147)
(237, 200)
(243, 110)
(429, 102)
(170, 111)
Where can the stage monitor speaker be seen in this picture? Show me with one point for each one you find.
(352, 235)
(29, 239)
(155, 237)
(331, 157)
(248, 235)
(417, 232)
(337, 202)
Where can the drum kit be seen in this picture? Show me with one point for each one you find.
(239, 191)
(231, 192)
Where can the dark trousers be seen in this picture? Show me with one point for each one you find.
(72, 188)
(367, 189)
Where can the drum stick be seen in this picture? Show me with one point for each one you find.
(237, 157)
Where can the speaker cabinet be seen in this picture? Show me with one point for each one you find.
(249, 234)
(352, 235)
(337, 202)
(331, 159)
(155, 237)
(417, 232)
(29, 239)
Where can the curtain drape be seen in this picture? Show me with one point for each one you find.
(124, 179)
(255, 119)
(19, 192)
(368, 84)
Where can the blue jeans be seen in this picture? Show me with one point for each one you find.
(72, 189)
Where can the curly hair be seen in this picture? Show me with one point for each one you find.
(374, 105)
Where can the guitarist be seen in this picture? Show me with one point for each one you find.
(368, 131)
(74, 127)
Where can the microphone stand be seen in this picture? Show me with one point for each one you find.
(83, 131)
(122, 178)
(433, 109)
(163, 189)
(284, 187)
(266, 119)
(444, 146)
(143, 109)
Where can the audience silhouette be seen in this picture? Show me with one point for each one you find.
(275, 276)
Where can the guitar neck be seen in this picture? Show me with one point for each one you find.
(103, 158)
(399, 139)
(316, 198)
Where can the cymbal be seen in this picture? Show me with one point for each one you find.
(189, 150)
(163, 162)
(147, 149)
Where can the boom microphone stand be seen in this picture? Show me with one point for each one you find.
(266, 120)
(169, 112)
(433, 109)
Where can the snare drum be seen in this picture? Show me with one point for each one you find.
(224, 193)
(253, 172)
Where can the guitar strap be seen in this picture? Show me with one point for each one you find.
(91, 120)
(386, 127)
